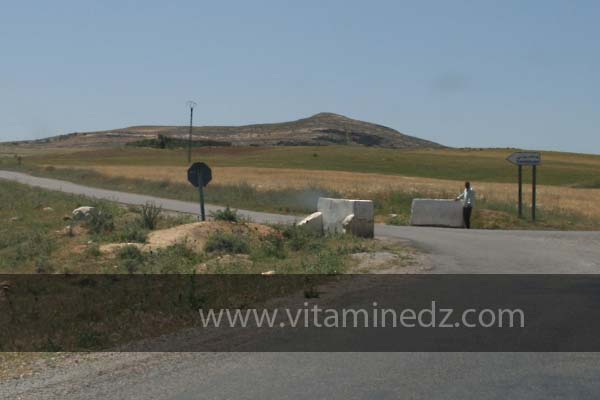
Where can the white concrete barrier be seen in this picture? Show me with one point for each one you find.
(431, 212)
(335, 211)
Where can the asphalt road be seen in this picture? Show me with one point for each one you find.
(446, 250)
(347, 375)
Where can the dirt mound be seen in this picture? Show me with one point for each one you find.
(193, 236)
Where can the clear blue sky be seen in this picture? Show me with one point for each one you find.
(463, 73)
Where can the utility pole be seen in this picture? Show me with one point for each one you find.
(190, 104)
(533, 192)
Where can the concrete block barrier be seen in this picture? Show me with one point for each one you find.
(335, 212)
(433, 212)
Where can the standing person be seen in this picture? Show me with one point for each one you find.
(468, 198)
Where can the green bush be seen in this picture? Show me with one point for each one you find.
(227, 243)
(176, 259)
(273, 245)
(150, 213)
(100, 221)
(131, 258)
(226, 214)
(300, 238)
(132, 233)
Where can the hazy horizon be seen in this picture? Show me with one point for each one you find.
(462, 74)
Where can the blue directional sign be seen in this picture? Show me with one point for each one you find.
(525, 158)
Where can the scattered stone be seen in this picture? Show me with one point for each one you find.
(267, 273)
(82, 212)
(48, 209)
(314, 222)
(13, 219)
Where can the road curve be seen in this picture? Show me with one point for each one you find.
(447, 250)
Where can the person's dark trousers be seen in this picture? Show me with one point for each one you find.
(467, 216)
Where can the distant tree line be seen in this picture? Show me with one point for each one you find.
(167, 142)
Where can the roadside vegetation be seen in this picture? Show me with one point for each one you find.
(84, 257)
(39, 234)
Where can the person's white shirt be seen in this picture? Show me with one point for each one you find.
(467, 197)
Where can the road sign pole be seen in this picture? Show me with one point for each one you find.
(520, 191)
(201, 191)
(202, 215)
(533, 193)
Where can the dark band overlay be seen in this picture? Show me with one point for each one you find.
(338, 313)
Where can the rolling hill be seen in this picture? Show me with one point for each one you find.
(320, 129)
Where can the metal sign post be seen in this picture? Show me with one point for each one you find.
(201, 190)
(526, 158)
(520, 191)
(200, 175)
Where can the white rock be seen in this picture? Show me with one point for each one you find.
(335, 211)
(314, 222)
(434, 212)
(82, 212)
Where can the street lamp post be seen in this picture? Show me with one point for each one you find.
(190, 104)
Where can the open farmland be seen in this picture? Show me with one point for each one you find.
(267, 178)
(487, 165)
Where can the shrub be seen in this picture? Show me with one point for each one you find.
(100, 221)
(131, 257)
(299, 238)
(177, 258)
(227, 214)
(132, 233)
(150, 213)
(93, 251)
(273, 245)
(43, 266)
(227, 243)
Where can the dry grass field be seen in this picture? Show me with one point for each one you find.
(275, 178)
(566, 199)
